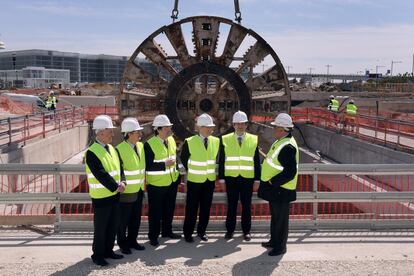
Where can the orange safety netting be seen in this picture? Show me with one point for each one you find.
(9, 106)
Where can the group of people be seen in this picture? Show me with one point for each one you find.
(350, 111)
(116, 178)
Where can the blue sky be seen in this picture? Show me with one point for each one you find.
(350, 35)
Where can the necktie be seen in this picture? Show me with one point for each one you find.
(136, 151)
(205, 142)
(107, 149)
(240, 139)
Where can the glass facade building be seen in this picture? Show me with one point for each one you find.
(82, 67)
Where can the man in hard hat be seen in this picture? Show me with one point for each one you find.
(132, 159)
(51, 101)
(198, 156)
(278, 182)
(239, 168)
(104, 179)
(351, 112)
(162, 180)
(333, 104)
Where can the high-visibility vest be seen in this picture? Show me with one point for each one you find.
(239, 159)
(202, 161)
(161, 154)
(110, 162)
(271, 165)
(334, 105)
(351, 109)
(133, 165)
(51, 100)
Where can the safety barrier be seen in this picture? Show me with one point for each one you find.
(337, 196)
(397, 134)
(20, 129)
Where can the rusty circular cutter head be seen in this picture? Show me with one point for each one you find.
(184, 85)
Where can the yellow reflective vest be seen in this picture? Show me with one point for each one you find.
(133, 165)
(202, 161)
(239, 160)
(110, 162)
(161, 154)
(334, 105)
(271, 165)
(351, 109)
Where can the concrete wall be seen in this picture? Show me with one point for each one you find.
(56, 148)
(348, 150)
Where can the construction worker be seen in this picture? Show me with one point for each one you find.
(333, 104)
(51, 101)
(239, 167)
(162, 179)
(198, 156)
(104, 178)
(132, 159)
(351, 112)
(279, 175)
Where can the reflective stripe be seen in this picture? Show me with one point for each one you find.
(113, 173)
(165, 159)
(96, 186)
(277, 167)
(198, 163)
(279, 149)
(239, 158)
(168, 171)
(135, 182)
(201, 172)
(242, 168)
(134, 172)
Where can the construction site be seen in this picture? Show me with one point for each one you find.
(354, 213)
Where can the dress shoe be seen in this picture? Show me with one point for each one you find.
(267, 244)
(228, 236)
(114, 256)
(172, 236)
(247, 237)
(100, 261)
(154, 242)
(203, 237)
(189, 239)
(276, 252)
(137, 246)
(126, 251)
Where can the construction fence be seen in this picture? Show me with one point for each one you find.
(329, 196)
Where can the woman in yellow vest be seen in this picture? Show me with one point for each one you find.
(239, 168)
(132, 159)
(279, 175)
(104, 178)
(198, 156)
(162, 177)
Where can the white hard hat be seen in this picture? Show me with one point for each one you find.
(351, 101)
(102, 122)
(282, 120)
(240, 117)
(130, 124)
(51, 92)
(331, 97)
(161, 121)
(205, 120)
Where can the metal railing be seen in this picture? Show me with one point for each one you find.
(329, 196)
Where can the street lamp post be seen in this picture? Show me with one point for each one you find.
(288, 69)
(310, 70)
(392, 65)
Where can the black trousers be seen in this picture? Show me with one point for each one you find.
(239, 187)
(130, 220)
(105, 224)
(161, 206)
(199, 195)
(279, 224)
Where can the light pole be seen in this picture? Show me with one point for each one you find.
(288, 69)
(376, 68)
(310, 70)
(327, 68)
(392, 64)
